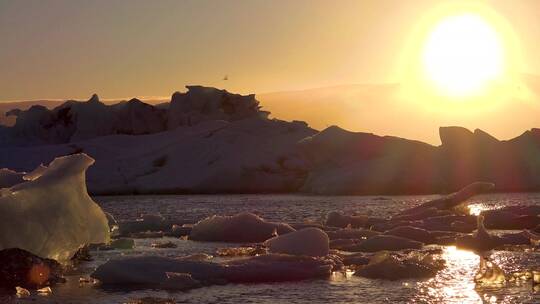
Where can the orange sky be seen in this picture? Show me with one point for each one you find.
(71, 49)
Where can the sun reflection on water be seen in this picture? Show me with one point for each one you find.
(454, 284)
(475, 209)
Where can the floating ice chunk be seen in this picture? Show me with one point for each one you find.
(45, 291)
(536, 277)
(308, 241)
(53, 214)
(147, 222)
(154, 271)
(394, 267)
(489, 273)
(277, 268)
(242, 227)
(21, 292)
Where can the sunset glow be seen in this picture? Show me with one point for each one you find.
(462, 55)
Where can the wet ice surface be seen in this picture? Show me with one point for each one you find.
(453, 285)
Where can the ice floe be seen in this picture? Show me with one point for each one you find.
(243, 227)
(308, 241)
(154, 271)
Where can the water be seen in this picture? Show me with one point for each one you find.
(453, 285)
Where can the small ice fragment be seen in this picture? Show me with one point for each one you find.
(240, 251)
(536, 277)
(83, 280)
(22, 292)
(45, 291)
(489, 273)
(308, 241)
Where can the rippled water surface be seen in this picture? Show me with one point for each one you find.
(453, 285)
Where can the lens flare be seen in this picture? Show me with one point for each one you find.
(462, 55)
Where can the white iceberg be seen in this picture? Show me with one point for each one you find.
(309, 241)
(52, 215)
(242, 227)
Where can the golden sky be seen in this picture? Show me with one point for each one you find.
(123, 48)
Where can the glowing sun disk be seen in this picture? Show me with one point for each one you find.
(462, 54)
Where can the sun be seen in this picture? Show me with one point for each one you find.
(462, 55)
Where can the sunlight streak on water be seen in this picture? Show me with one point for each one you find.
(454, 284)
(475, 209)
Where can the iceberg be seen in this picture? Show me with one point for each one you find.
(53, 212)
(244, 227)
(309, 241)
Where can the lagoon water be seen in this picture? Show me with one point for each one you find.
(452, 285)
